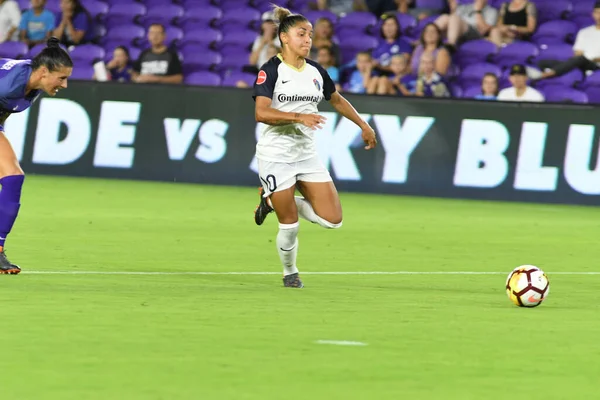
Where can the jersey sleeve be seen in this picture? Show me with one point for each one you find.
(266, 80)
(328, 85)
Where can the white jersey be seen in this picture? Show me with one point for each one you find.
(291, 90)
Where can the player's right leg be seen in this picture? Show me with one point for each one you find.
(278, 186)
(11, 179)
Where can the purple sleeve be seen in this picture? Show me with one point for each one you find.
(405, 47)
(416, 58)
(80, 22)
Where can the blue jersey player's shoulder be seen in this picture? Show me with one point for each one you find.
(14, 75)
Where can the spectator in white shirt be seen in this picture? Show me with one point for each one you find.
(586, 49)
(10, 18)
(519, 90)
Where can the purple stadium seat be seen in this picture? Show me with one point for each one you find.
(127, 34)
(203, 35)
(565, 95)
(354, 44)
(300, 5)
(87, 53)
(472, 74)
(471, 91)
(593, 79)
(199, 3)
(555, 52)
(24, 4)
(99, 31)
(518, 52)
(359, 20)
(53, 6)
(82, 73)
(234, 61)
(561, 30)
(475, 51)
(312, 16)
(200, 15)
(431, 4)
(97, 9)
(407, 22)
(125, 12)
(200, 61)
(13, 49)
(165, 14)
(242, 38)
(230, 79)
(203, 78)
(37, 49)
(240, 16)
(569, 79)
(582, 7)
(593, 94)
(583, 21)
(556, 9)
(174, 35)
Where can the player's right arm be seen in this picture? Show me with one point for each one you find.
(268, 115)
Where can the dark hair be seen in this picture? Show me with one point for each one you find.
(52, 57)
(365, 53)
(385, 17)
(439, 32)
(329, 50)
(287, 20)
(495, 78)
(159, 25)
(125, 50)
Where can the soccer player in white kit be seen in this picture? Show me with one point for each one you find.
(287, 91)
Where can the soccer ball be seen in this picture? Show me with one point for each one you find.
(527, 286)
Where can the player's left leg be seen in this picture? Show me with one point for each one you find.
(11, 179)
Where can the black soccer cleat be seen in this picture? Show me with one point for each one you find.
(6, 267)
(263, 209)
(292, 281)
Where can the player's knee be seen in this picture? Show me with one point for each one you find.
(333, 222)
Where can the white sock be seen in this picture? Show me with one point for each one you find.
(287, 246)
(306, 211)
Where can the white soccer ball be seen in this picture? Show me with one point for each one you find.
(527, 286)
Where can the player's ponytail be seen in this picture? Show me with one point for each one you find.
(286, 19)
(52, 57)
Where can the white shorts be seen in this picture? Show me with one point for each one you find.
(278, 176)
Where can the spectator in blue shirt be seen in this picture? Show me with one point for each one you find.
(326, 58)
(489, 87)
(362, 79)
(37, 23)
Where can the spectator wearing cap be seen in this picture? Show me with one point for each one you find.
(267, 37)
(519, 90)
(467, 21)
(586, 50)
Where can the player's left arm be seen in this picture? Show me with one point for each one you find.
(344, 107)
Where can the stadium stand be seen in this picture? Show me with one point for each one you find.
(214, 40)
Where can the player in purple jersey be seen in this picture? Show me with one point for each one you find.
(21, 83)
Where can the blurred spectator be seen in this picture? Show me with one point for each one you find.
(158, 64)
(489, 87)
(37, 23)
(10, 18)
(467, 21)
(431, 43)
(323, 37)
(362, 79)
(267, 37)
(395, 83)
(119, 68)
(518, 20)
(326, 59)
(342, 6)
(379, 7)
(429, 83)
(586, 50)
(390, 43)
(519, 90)
(75, 24)
(408, 7)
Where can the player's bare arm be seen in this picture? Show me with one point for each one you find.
(268, 115)
(344, 107)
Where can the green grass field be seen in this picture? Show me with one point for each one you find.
(427, 336)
